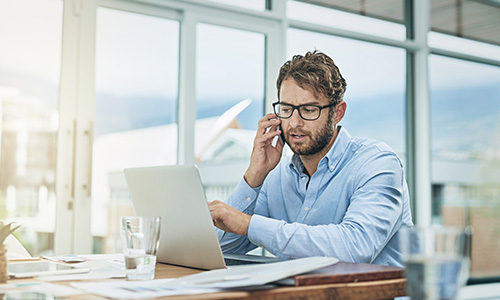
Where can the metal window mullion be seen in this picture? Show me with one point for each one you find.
(237, 21)
(418, 115)
(141, 8)
(467, 57)
(187, 90)
(63, 235)
(408, 44)
(275, 53)
(203, 7)
(82, 242)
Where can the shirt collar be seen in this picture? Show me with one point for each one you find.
(333, 156)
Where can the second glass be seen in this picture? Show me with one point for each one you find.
(140, 239)
(436, 261)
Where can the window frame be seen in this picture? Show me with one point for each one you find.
(77, 94)
(77, 91)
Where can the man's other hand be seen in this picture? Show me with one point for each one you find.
(228, 218)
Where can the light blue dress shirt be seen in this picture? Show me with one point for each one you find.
(353, 208)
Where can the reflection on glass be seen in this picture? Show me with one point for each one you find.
(466, 46)
(252, 4)
(349, 21)
(30, 58)
(230, 93)
(465, 138)
(136, 106)
(375, 76)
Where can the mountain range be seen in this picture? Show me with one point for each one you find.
(464, 119)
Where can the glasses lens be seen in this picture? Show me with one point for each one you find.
(284, 110)
(309, 112)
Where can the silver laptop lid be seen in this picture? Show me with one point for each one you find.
(175, 193)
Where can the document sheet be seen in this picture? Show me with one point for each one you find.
(238, 277)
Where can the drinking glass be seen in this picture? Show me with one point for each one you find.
(140, 240)
(436, 261)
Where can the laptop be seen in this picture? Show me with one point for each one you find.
(187, 235)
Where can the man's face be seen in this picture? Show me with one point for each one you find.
(305, 137)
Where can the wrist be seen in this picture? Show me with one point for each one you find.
(252, 180)
(247, 224)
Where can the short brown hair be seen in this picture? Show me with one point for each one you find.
(317, 72)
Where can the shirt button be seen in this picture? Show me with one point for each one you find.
(306, 208)
(249, 199)
(304, 178)
(331, 167)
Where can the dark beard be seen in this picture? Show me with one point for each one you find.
(319, 142)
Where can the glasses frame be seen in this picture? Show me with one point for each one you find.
(297, 107)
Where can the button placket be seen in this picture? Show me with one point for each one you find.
(311, 193)
(303, 185)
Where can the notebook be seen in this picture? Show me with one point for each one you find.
(187, 235)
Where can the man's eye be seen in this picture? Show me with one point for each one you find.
(309, 109)
(285, 110)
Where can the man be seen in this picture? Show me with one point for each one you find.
(338, 195)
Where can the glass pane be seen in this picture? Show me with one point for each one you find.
(375, 76)
(252, 4)
(346, 20)
(452, 43)
(465, 128)
(230, 97)
(30, 62)
(469, 19)
(136, 107)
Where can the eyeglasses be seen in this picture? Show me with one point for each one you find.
(308, 112)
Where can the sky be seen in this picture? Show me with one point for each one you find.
(32, 29)
(30, 35)
(137, 55)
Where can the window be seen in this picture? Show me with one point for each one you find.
(30, 63)
(135, 111)
(375, 76)
(465, 131)
(452, 43)
(230, 97)
(383, 20)
(251, 4)
(470, 19)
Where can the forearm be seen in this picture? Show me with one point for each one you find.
(243, 198)
(254, 178)
(293, 240)
(234, 243)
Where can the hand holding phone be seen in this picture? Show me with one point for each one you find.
(266, 152)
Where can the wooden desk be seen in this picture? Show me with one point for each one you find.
(372, 289)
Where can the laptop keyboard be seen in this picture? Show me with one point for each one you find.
(235, 262)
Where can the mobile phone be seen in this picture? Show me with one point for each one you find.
(281, 138)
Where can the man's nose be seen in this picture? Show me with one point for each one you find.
(295, 119)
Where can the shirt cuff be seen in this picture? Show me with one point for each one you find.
(262, 230)
(243, 196)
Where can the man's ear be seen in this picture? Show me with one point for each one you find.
(339, 111)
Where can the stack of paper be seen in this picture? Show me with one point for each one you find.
(253, 275)
(245, 276)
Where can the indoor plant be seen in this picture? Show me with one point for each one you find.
(5, 230)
